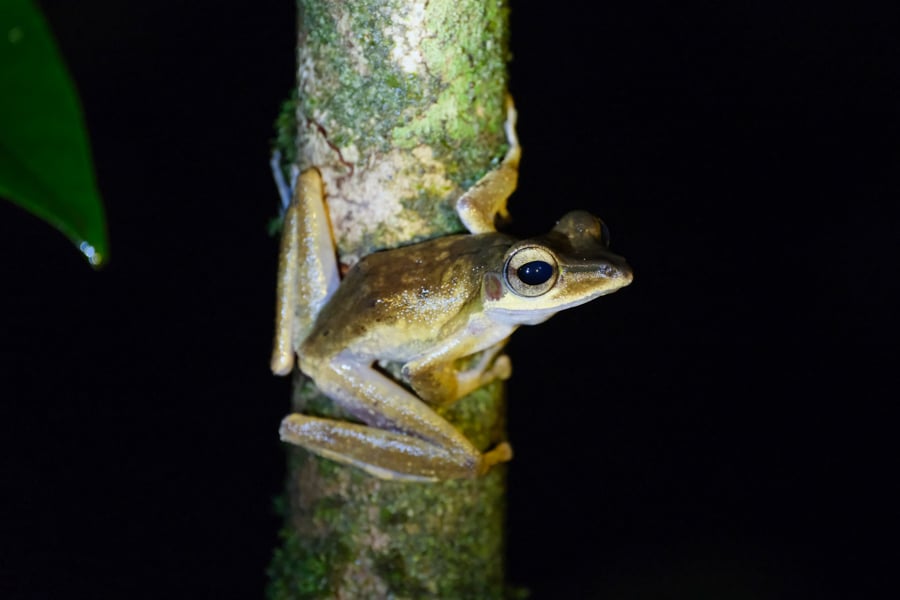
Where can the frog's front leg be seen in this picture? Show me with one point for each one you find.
(441, 381)
(478, 207)
(402, 437)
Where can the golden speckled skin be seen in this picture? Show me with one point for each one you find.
(396, 304)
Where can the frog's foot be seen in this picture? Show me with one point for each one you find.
(444, 383)
(500, 453)
(514, 153)
(489, 367)
(386, 454)
(502, 368)
(481, 374)
(479, 205)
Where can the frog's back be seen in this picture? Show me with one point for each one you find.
(393, 303)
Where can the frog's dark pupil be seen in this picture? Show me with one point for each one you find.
(535, 272)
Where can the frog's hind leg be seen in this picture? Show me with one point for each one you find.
(385, 454)
(307, 269)
(403, 438)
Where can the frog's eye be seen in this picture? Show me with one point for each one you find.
(531, 271)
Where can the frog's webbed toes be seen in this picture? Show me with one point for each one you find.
(489, 368)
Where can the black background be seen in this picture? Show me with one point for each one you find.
(721, 429)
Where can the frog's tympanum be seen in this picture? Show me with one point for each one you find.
(442, 308)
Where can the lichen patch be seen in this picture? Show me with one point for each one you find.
(407, 34)
(379, 192)
(354, 48)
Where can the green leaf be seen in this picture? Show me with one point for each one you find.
(45, 159)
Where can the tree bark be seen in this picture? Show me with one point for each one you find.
(400, 105)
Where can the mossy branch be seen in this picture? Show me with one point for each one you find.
(400, 105)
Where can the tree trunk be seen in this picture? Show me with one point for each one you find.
(400, 105)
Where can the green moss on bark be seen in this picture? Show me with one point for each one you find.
(386, 88)
(348, 534)
(411, 91)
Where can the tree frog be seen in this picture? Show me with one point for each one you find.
(427, 306)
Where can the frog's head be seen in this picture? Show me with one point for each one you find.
(541, 276)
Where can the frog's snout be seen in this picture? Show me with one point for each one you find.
(617, 271)
(627, 275)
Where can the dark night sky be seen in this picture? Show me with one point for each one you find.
(720, 429)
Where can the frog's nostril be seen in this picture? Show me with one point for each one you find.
(613, 271)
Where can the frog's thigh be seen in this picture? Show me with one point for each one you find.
(484, 200)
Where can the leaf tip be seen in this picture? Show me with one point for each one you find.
(94, 257)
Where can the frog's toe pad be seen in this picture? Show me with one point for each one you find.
(502, 367)
(500, 453)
